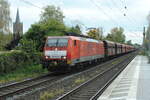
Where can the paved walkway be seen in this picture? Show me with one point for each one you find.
(132, 84)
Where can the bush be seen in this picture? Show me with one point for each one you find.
(17, 59)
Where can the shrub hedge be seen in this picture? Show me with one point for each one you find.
(17, 59)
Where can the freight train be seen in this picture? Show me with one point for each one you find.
(62, 53)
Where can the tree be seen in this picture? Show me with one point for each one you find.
(96, 33)
(129, 42)
(147, 40)
(76, 29)
(51, 13)
(116, 35)
(50, 24)
(5, 19)
(148, 34)
(27, 46)
(4, 40)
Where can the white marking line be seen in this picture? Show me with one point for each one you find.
(126, 74)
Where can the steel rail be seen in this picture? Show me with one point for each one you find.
(18, 87)
(75, 94)
(109, 82)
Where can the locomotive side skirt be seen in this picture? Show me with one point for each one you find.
(87, 58)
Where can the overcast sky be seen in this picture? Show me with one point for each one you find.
(91, 13)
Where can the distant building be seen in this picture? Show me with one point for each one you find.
(17, 27)
(144, 35)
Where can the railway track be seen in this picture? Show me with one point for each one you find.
(93, 88)
(47, 81)
(19, 87)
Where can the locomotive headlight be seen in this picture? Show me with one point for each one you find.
(63, 57)
(46, 57)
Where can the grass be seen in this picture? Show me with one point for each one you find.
(79, 81)
(50, 94)
(144, 53)
(23, 73)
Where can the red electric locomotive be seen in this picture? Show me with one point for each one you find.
(64, 52)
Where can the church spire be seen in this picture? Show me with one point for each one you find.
(17, 27)
(17, 16)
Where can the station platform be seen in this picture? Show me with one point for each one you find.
(132, 84)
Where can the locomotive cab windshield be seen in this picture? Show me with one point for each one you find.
(57, 42)
(56, 48)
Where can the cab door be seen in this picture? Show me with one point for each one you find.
(76, 44)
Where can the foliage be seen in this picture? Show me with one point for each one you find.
(50, 94)
(116, 35)
(147, 39)
(37, 33)
(50, 24)
(148, 43)
(27, 45)
(76, 29)
(129, 42)
(16, 60)
(22, 73)
(51, 13)
(4, 16)
(96, 33)
(4, 39)
(79, 81)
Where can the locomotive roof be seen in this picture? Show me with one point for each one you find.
(76, 38)
(109, 42)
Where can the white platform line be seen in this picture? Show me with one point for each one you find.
(130, 73)
(132, 93)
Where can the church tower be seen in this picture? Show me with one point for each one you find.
(17, 27)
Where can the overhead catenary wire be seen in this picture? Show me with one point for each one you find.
(130, 20)
(29, 3)
(126, 8)
(120, 25)
(101, 9)
(32, 4)
(114, 21)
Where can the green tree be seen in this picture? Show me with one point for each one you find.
(4, 40)
(129, 42)
(96, 33)
(148, 35)
(5, 19)
(38, 32)
(28, 46)
(147, 40)
(116, 35)
(50, 24)
(51, 13)
(76, 29)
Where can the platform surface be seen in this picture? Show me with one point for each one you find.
(132, 84)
